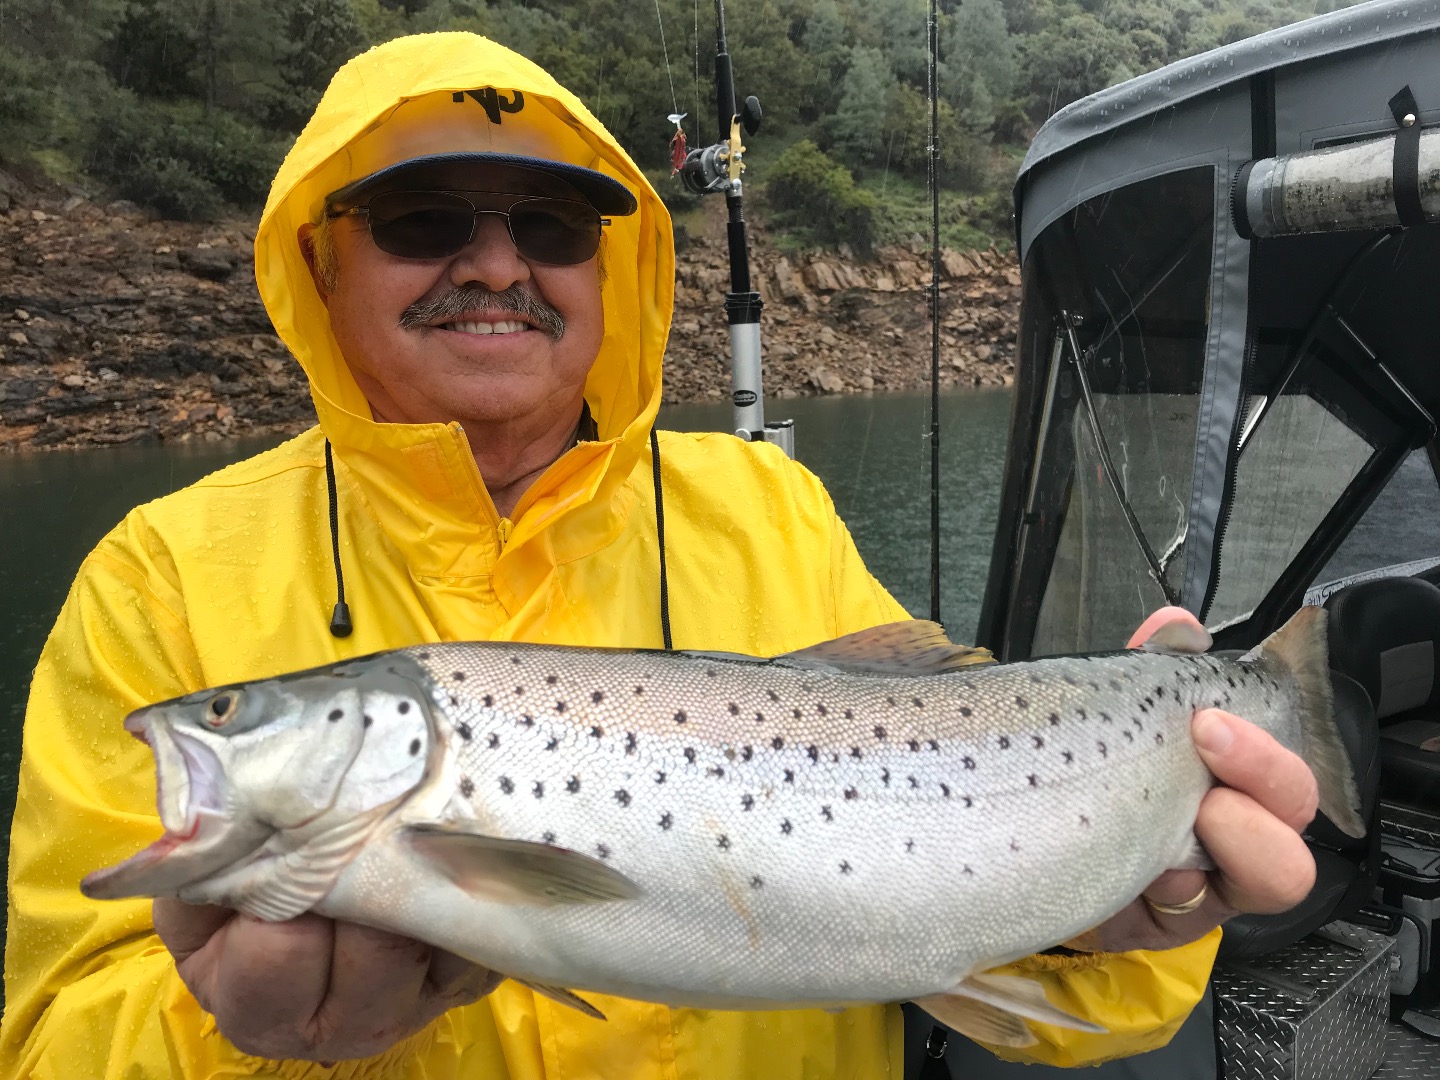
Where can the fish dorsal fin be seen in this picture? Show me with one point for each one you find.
(913, 647)
(564, 997)
(518, 871)
(1179, 636)
(993, 1008)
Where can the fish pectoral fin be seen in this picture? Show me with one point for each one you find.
(914, 647)
(518, 871)
(564, 997)
(1180, 637)
(999, 1005)
(979, 1021)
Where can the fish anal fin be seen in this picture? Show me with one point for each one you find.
(1300, 648)
(564, 997)
(979, 1021)
(518, 871)
(1179, 636)
(1000, 1005)
(913, 647)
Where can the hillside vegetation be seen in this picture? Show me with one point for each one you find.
(186, 106)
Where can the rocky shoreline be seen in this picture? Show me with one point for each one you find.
(118, 328)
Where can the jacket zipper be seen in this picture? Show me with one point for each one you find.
(503, 529)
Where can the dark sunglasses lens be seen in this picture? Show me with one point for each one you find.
(555, 232)
(419, 224)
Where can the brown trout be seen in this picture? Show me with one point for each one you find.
(869, 820)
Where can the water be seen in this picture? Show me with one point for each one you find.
(871, 453)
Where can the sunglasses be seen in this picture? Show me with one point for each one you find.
(438, 224)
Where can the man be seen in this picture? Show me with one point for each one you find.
(484, 351)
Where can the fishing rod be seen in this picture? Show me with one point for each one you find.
(933, 43)
(716, 169)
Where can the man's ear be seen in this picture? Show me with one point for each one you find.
(305, 237)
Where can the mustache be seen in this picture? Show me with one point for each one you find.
(470, 298)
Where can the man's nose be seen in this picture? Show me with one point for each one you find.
(490, 259)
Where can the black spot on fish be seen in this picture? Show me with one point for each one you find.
(690, 754)
(1138, 725)
(1004, 742)
(1104, 750)
(1216, 703)
(747, 802)
(969, 802)
(424, 655)
(756, 883)
(821, 709)
(826, 813)
(666, 820)
(367, 721)
(945, 790)
(789, 776)
(1069, 680)
(492, 741)
(597, 732)
(1129, 736)
(855, 753)
(890, 701)
(1231, 680)
(622, 797)
(526, 721)
(1069, 757)
(734, 709)
(1014, 845)
(1116, 684)
(851, 793)
(552, 679)
(933, 745)
(1159, 693)
(880, 734)
(630, 742)
(506, 785)
(917, 703)
(777, 743)
(549, 838)
(660, 777)
(560, 706)
(845, 868)
(746, 753)
(885, 777)
(1039, 742)
(488, 700)
(513, 660)
(813, 753)
(602, 851)
(1080, 713)
(1084, 821)
(710, 673)
(538, 790)
(1021, 703)
(459, 676)
(965, 710)
(335, 714)
(597, 697)
(723, 843)
(849, 715)
(1146, 794)
(1054, 719)
(1143, 707)
(1034, 780)
(1105, 718)
(909, 847)
(1159, 738)
(913, 782)
(759, 717)
(715, 771)
(552, 743)
(573, 785)
(914, 745)
(414, 747)
(967, 762)
(519, 691)
(772, 695)
(639, 691)
(467, 786)
(796, 713)
(680, 717)
(968, 872)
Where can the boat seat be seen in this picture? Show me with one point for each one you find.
(1346, 867)
(1384, 634)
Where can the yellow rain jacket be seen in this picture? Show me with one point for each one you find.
(232, 579)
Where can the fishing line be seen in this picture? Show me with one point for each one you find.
(674, 101)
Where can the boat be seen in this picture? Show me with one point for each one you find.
(1226, 387)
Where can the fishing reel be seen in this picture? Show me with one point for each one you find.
(711, 169)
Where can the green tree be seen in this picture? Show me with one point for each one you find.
(857, 126)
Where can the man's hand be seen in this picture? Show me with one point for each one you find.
(312, 988)
(1250, 826)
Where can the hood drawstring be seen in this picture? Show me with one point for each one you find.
(340, 624)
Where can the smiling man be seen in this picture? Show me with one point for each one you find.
(478, 282)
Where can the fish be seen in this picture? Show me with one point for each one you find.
(881, 818)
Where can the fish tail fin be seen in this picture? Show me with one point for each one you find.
(1301, 648)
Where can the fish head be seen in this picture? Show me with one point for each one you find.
(237, 764)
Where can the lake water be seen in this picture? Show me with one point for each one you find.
(871, 452)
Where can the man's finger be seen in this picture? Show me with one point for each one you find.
(187, 928)
(1248, 759)
(375, 986)
(1264, 866)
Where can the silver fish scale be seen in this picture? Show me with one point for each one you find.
(802, 834)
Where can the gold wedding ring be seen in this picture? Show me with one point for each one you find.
(1180, 909)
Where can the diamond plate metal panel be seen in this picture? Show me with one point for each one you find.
(1409, 1056)
(1410, 824)
(1316, 1010)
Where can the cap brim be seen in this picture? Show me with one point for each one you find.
(468, 172)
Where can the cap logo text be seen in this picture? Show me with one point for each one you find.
(492, 101)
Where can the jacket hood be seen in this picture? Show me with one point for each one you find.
(338, 147)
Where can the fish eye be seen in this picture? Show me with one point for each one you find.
(222, 708)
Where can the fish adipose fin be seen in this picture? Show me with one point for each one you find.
(994, 1008)
(914, 647)
(1300, 648)
(518, 871)
(564, 997)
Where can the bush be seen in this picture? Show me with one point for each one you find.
(191, 159)
(812, 192)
